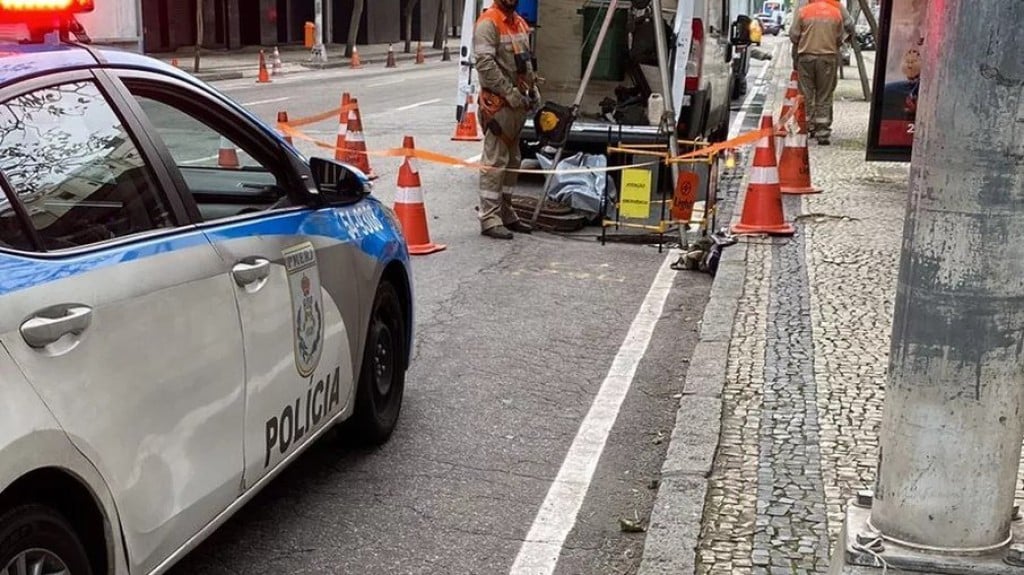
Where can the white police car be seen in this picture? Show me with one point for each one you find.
(173, 331)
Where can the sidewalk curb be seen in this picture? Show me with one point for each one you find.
(676, 520)
(299, 69)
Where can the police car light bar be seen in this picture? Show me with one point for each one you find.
(46, 6)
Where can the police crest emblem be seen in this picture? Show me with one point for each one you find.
(307, 306)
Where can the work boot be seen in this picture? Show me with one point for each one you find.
(519, 226)
(498, 233)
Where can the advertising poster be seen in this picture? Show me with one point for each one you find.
(897, 78)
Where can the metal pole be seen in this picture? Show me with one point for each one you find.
(952, 426)
(591, 63)
(319, 52)
(668, 118)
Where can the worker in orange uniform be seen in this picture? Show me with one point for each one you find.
(508, 93)
(817, 33)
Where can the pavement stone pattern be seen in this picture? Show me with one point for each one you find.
(807, 363)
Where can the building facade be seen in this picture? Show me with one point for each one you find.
(168, 25)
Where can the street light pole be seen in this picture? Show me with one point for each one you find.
(950, 440)
(319, 51)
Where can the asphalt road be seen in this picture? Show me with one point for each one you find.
(514, 342)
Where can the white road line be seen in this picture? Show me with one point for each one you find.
(737, 123)
(272, 101)
(557, 516)
(471, 160)
(542, 548)
(385, 83)
(200, 160)
(418, 104)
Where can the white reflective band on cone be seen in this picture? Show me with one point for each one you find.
(796, 141)
(763, 142)
(409, 196)
(764, 175)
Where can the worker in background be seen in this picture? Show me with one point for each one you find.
(508, 93)
(817, 33)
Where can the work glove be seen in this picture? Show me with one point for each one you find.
(538, 100)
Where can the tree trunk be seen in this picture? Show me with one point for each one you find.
(441, 27)
(408, 24)
(199, 35)
(353, 27)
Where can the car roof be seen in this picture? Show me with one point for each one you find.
(22, 61)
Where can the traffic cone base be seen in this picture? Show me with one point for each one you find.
(410, 210)
(468, 129)
(762, 206)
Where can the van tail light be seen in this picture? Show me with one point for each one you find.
(695, 63)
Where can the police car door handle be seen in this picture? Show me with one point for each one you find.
(43, 329)
(247, 273)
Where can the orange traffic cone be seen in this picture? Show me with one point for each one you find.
(282, 118)
(767, 127)
(227, 156)
(420, 58)
(264, 76)
(795, 162)
(340, 147)
(356, 63)
(468, 129)
(412, 214)
(762, 208)
(792, 91)
(355, 144)
(278, 68)
(391, 57)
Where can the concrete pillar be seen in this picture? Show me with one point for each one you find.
(953, 422)
(268, 28)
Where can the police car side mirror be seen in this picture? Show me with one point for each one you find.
(337, 183)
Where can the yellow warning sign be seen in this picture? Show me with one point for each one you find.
(636, 193)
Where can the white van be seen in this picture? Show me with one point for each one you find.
(704, 75)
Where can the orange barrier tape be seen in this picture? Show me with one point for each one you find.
(442, 159)
(290, 129)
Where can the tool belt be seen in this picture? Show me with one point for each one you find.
(490, 104)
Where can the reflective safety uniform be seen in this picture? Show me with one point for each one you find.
(816, 33)
(504, 65)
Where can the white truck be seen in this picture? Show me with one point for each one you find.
(701, 36)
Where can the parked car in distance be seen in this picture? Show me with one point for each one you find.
(770, 24)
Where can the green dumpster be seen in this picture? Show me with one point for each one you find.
(611, 60)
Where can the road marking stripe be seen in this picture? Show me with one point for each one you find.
(385, 83)
(557, 515)
(737, 123)
(418, 104)
(471, 160)
(200, 160)
(272, 101)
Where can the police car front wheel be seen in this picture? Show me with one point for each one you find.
(35, 540)
(382, 377)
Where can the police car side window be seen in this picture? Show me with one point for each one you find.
(222, 177)
(70, 162)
